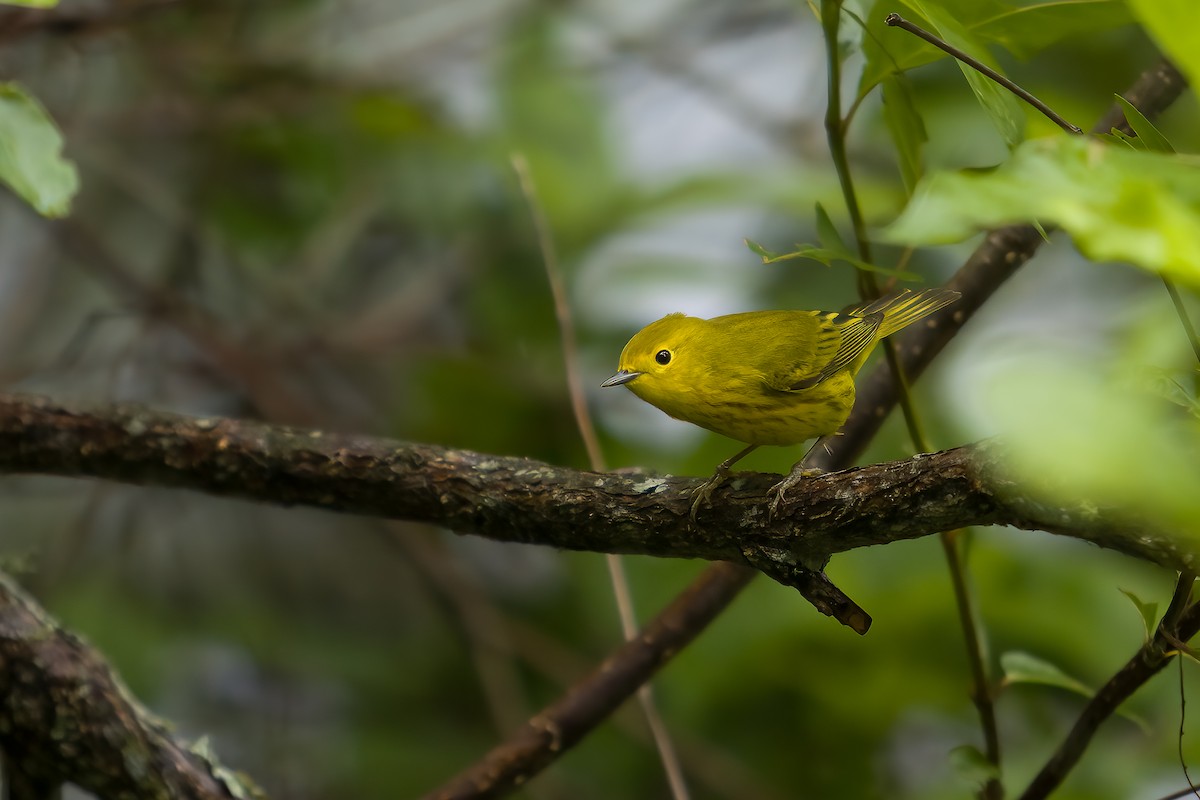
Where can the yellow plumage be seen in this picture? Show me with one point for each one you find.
(764, 377)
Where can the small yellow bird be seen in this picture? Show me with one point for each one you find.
(764, 377)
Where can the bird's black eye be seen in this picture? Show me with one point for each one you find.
(663, 357)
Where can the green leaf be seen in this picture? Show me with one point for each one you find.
(1175, 26)
(1021, 667)
(1028, 28)
(1147, 134)
(1005, 110)
(31, 3)
(827, 233)
(758, 250)
(1117, 204)
(828, 257)
(1022, 30)
(972, 766)
(1118, 136)
(906, 127)
(31, 161)
(1147, 611)
(832, 250)
(1085, 436)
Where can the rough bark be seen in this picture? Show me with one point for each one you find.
(521, 500)
(64, 716)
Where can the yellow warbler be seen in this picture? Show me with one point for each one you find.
(764, 377)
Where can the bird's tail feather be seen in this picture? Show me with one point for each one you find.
(903, 309)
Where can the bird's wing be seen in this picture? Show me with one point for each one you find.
(841, 340)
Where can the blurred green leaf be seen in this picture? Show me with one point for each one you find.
(1021, 667)
(1004, 109)
(31, 161)
(1020, 28)
(1166, 386)
(972, 766)
(906, 127)
(1117, 204)
(1079, 436)
(31, 3)
(569, 154)
(1024, 29)
(1175, 26)
(1148, 135)
(833, 249)
(826, 256)
(1147, 611)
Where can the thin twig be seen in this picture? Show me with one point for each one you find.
(587, 431)
(1170, 621)
(982, 695)
(897, 21)
(1179, 737)
(1188, 792)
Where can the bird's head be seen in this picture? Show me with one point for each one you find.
(650, 364)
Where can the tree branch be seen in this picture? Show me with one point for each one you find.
(531, 502)
(67, 717)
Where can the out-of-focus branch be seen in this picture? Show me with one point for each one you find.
(564, 723)
(68, 718)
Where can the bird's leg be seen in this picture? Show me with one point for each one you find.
(704, 491)
(792, 479)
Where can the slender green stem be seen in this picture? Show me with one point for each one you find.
(981, 689)
(835, 132)
(835, 129)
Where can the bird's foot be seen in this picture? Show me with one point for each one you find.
(793, 479)
(702, 494)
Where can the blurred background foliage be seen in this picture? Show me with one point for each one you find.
(304, 211)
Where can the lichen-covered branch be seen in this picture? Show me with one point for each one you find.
(64, 716)
(521, 500)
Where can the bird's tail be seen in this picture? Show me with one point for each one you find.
(903, 309)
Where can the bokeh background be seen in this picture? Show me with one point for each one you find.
(306, 212)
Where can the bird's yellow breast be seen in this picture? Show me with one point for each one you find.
(745, 409)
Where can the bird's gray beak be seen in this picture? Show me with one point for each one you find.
(622, 376)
